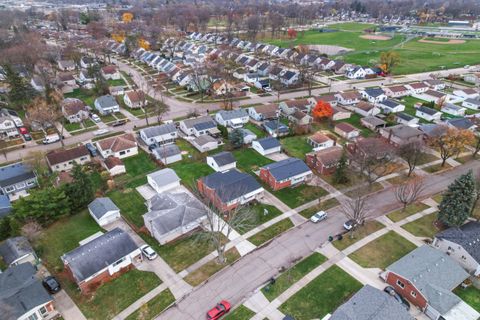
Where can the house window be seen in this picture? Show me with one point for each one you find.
(9, 189)
(116, 263)
(400, 284)
(20, 185)
(464, 258)
(33, 317)
(43, 311)
(413, 294)
(30, 183)
(122, 153)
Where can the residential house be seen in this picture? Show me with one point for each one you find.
(401, 134)
(248, 136)
(74, 110)
(66, 65)
(397, 91)
(370, 303)
(356, 73)
(289, 107)
(16, 179)
(229, 189)
(391, 106)
(87, 62)
(426, 278)
(167, 154)
(17, 250)
(104, 211)
(276, 128)
(453, 109)
(267, 146)
(205, 143)
(320, 141)
(366, 109)
(172, 215)
(7, 127)
(222, 161)
(288, 78)
(435, 84)
(232, 118)
(110, 73)
(114, 166)
(324, 161)
(470, 103)
(348, 98)
(461, 124)
(37, 83)
(163, 180)
(122, 146)
(22, 295)
(346, 130)
(428, 114)
(370, 147)
(135, 99)
(106, 105)
(339, 67)
(417, 87)
(199, 126)
(374, 95)
(406, 119)
(466, 93)
(101, 259)
(300, 118)
(86, 79)
(433, 130)
(329, 98)
(161, 134)
(285, 173)
(462, 244)
(66, 79)
(65, 159)
(5, 206)
(472, 78)
(263, 112)
(340, 113)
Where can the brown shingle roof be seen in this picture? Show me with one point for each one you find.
(60, 156)
(112, 162)
(329, 156)
(319, 137)
(345, 127)
(300, 104)
(109, 69)
(418, 85)
(118, 143)
(365, 106)
(73, 106)
(136, 96)
(397, 88)
(350, 95)
(268, 110)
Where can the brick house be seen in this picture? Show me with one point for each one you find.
(324, 161)
(285, 173)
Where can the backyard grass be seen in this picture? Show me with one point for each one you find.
(470, 295)
(354, 120)
(131, 205)
(383, 251)
(368, 228)
(423, 227)
(296, 196)
(116, 83)
(271, 232)
(249, 160)
(259, 217)
(296, 146)
(256, 130)
(85, 95)
(210, 268)
(139, 164)
(153, 307)
(324, 205)
(322, 295)
(240, 313)
(292, 275)
(409, 210)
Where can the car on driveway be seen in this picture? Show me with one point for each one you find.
(95, 118)
(91, 148)
(348, 225)
(51, 284)
(148, 252)
(319, 216)
(219, 310)
(391, 291)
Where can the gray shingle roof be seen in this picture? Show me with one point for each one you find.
(15, 173)
(99, 253)
(467, 236)
(371, 304)
(100, 206)
(190, 123)
(287, 168)
(474, 101)
(433, 273)
(461, 123)
(427, 110)
(167, 151)
(20, 291)
(106, 101)
(233, 114)
(223, 158)
(374, 92)
(390, 103)
(5, 206)
(272, 125)
(159, 130)
(231, 184)
(269, 143)
(14, 248)
(404, 116)
(170, 211)
(164, 177)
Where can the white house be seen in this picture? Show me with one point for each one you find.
(248, 136)
(222, 161)
(417, 87)
(470, 103)
(7, 127)
(435, 84)
(397, 91)
(106, 105)
(103, 211)
(453, 109)
(198, 126)
(263, 112)
(374, 95)
(167, 154)
(348, 98)
(289, 77)
(346, 130)
(267, 146)
(161, 134)
(366, 109)
(319, 141)
(66, 65)
(114, 166)
(163, 180)
(135, 99)
(428, 114)
(204, 143)
(406, 119)
(466, 93)
(232, 118)
(110, 73)
(356, 73)
(122, 146)
(87, 62)
(391, 106)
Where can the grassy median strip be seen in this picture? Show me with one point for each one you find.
(322, 206)
(270, 232)
(368, 228)
(153, 307)
(409, 210)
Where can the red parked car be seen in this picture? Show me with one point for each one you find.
(23, 130)
(219, 310)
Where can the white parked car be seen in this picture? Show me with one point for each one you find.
(348, 225)
(319, 216)
(100, 132)
(96, 118)
(148, 252)
(51, 138)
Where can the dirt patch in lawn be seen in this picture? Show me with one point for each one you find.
(451, 41)
(328, 49)
(375, 37)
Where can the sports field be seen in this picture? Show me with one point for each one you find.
(416, 56)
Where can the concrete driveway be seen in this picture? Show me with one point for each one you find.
(67, 308)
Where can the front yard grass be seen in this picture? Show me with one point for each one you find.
(322, 295)
(423, 227)
(364, 190)
(154, 307)
(249, 160)
(240, 313)
(259, 216)
(437, 168)
(107, 118)
(409, 210)
(470, 295)
(383, 251)
(292, 275)
(368, 228)
(271, 232)
(322, 206)
(72, 126)
(438, 197)
(210, 268)
(296, 196)
(296, 146)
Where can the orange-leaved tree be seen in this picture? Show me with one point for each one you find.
(323, 110)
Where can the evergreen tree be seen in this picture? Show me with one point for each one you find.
(340, 175)
(20, 91)
(236, 138)
(81, 191)
(458, 200)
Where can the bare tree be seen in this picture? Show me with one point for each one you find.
(357, 211)
(409, 191)
(413, 153)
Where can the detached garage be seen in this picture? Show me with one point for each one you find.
(163, 180)
(104, 211)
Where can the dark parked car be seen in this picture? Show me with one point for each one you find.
(391, 291)
(120, 122)
(51, 284)
(91, 148)
(27, 137)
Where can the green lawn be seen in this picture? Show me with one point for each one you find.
(292, 275)
(322, 295)
(154, 307)
(383, 251)
(131, 205)
(296, 146)
(354, 120)
(89, 123)
(470, 295)
(271, 232)
(256, 130)
(368, 228)
(296, 196)
(259, 216)
(116, 83)
(438, 198)
(85, 95)
(249, 160)
(324, 205)
(409, 210)
(140, 164)
(72, 126)
(240, 313)
(423, 227)
(107, 118)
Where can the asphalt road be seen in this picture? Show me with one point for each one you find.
(238, 281)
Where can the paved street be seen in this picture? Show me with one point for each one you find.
(239, 281)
